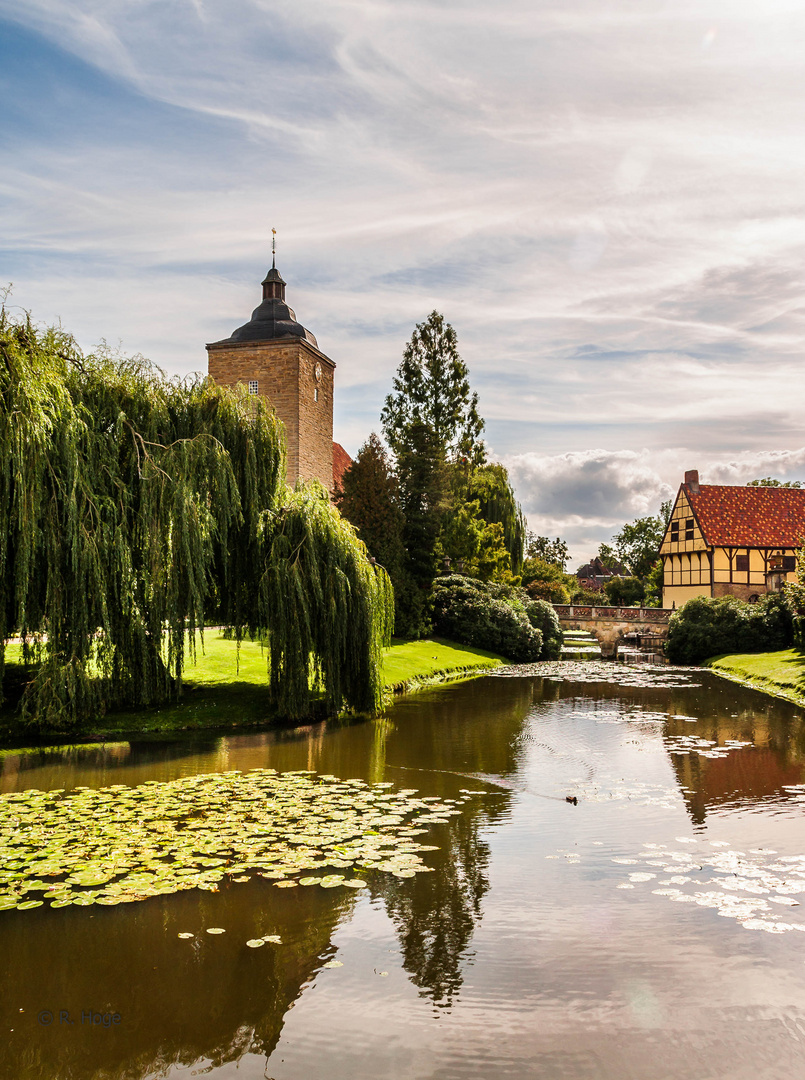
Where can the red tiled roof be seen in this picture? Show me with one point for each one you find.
(341, 462)
(749, 516)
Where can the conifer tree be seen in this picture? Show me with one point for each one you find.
(432, 390)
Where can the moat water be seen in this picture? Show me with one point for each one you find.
(654, 929)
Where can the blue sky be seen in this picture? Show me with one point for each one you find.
(606, 200)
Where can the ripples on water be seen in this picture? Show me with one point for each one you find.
(648, 932)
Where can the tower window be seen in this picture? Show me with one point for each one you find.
(254, 387)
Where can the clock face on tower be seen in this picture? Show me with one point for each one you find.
(317, 372)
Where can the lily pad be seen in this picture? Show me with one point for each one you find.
(215, 930)
(120, 845)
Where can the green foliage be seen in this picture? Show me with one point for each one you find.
(457, 509)
(637, 545)
(132, 510)
(475, 613)
(542, 617)
(654, 584)
(767, 481)
(608, 557)
(490, 486)
(554, 552)
(545, 580)
(589, 598)
(432, 390)
(323, 605)
(624, 591)
(370, 499)
(706, 627)
(423, 483)
(553, 592)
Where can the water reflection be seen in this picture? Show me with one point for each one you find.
(569, 975)
(212, 999)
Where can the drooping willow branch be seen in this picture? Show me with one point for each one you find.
(134, 508)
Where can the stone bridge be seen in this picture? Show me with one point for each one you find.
(614, 626)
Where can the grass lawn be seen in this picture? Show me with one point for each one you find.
(223, 690)
(781, 673)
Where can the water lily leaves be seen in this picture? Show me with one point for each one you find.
(332, 964)
(185, 936)
(215, 930)
(332, 881)
(27, 904)
(272, 939)
(255, 943)
(119, 845)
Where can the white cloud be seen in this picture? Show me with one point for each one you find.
(586, 496)
(605, 201)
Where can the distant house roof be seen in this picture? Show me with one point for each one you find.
(341, 462)
(748, 516)
(596, 569)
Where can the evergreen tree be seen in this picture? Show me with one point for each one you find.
(432, 390)
(370, 499)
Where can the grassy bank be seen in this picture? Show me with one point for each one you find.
(779, 673)
(224, 689)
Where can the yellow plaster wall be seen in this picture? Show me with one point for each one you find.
(682, 513)
(677, 595)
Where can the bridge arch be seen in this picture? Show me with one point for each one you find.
(610, 625)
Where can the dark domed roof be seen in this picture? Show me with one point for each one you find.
(273, 318)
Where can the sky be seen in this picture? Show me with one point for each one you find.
(604, 199)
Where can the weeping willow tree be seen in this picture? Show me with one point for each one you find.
(133, 508)
(491, 486)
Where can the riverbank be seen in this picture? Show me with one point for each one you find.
(781, 674)
(226, 688)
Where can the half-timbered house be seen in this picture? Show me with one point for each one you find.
(730, 541)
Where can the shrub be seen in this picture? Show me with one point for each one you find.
(468, 611)
(624, 591)
(589, 598)
(706, 627)
(555, 592)
(542, 616)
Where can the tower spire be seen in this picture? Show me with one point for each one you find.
(273, 249)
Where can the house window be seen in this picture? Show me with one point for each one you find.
(316, 394)
(742, 564)
(689, 529)
(789, 563)
(254, 386)
(674, 532)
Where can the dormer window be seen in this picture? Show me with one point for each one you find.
(254, 386)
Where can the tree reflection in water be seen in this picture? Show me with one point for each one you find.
(435, 914)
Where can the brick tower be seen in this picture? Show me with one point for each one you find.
(276, 357)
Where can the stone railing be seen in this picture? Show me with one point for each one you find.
(630, 614)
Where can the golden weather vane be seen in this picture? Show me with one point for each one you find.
(273, 249)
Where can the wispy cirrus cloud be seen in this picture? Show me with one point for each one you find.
(605, 201)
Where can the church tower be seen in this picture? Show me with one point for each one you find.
(275, 356)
